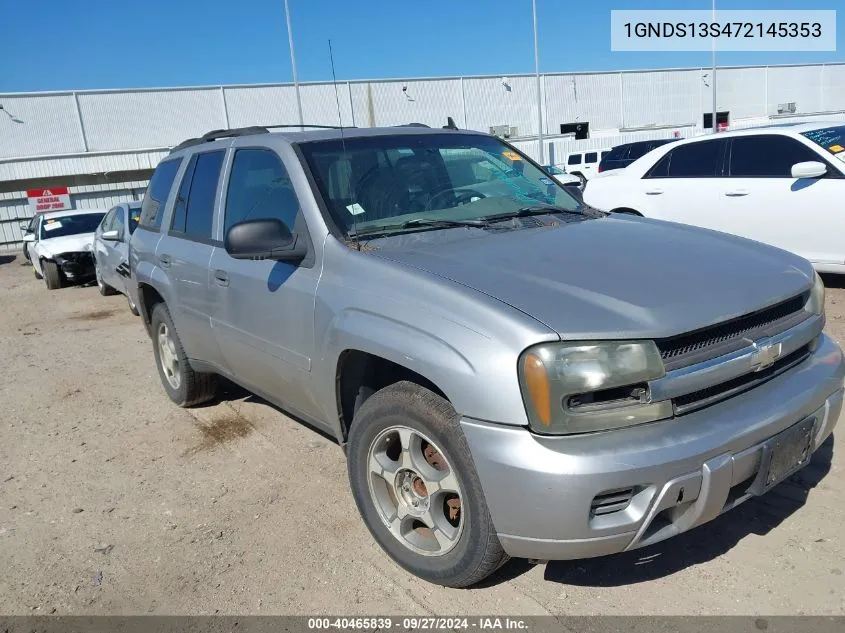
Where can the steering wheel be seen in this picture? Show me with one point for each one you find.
(463, 196)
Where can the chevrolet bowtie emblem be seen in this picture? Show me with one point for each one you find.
(765, 354)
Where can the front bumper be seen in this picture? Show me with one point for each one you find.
(683, 472)
(76, 266)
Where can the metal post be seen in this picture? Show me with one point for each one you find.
(225, 107)
(293, 66)
(80, 123)
(539, 95)
(713, 74)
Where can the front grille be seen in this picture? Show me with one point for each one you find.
(723, 338)
(611, 501)
(711, 395)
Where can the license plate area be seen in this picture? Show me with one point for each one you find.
(783, 455)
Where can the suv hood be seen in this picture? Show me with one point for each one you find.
(615, 277)
(67, 244)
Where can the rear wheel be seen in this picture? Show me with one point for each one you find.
(416, 487)
(132, 307)
(52, 275)
(102, 286)
(37, 274)
(184, 386)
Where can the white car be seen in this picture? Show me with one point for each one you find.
(781, 184)
(585, 164)
(60, 246)
(567, 180)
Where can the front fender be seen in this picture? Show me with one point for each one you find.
(477, 376)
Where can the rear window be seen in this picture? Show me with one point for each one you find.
(617, 153)
(155, 199)
(591, 157)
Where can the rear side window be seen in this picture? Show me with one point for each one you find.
(695, 160)
(767, 156)
(134, 216)
(155, 199)
(591, 157)
(618, 153)
(193, 214)
(574, 159)
(259, 189)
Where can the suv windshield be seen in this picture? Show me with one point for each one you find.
(70, 225)
(831, 139)
(388, 181)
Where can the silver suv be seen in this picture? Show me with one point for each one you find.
(510, 372)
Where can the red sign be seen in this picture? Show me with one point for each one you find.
(52, 199)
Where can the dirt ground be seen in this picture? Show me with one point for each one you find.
(114, 501)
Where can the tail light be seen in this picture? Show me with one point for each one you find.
(599, 168)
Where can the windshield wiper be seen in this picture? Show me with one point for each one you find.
(544, 209)
(417, 222)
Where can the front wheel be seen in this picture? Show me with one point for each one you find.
(102, 286)
(415, 484)
(52, 275)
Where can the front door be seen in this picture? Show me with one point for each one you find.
(264, 310)
(760, 199)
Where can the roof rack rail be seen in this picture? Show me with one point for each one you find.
(214, 135)
(412, 125)
(319, 127)
(218, 134)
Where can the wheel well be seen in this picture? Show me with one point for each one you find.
(360, 375)
(148, 297)
(627, 211)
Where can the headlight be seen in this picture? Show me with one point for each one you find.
(815, 303)
(583, 387)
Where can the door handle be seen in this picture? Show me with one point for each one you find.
(737, 193)
(654, 192)
(164, 260)
(221, 278)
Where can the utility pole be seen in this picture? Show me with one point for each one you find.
(293, 67)
(713, 73)
(539, 95)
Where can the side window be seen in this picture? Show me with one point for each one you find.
(259, 189)
(695, 160)
(155, 199)
(767, 156)
(591, 157)
(134, 216)
(574, 159)
(118, 222)
(180, 207)
(106, 222)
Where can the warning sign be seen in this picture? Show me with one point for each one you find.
(44, 200)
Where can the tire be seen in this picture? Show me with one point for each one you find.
(105, 289)
(52, 276)
(475, 551)
(132, 307)
(192, 387)
(36, 273)
(25, 252)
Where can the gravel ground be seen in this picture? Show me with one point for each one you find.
(114, 501)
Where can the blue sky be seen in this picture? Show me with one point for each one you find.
(79, 44)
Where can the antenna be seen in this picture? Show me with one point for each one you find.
(343, 145)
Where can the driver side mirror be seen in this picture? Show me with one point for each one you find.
(809, 169)
(264, 239)
(111, 236)
(29, 237)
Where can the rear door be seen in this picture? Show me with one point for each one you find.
(186, 251)
(761, 200)
(264, 310)
(591, 164)
(682, 186)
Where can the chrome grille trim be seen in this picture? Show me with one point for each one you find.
(710, 373)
